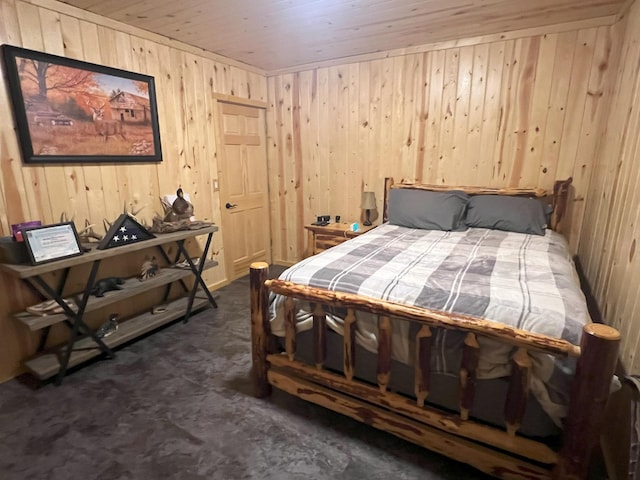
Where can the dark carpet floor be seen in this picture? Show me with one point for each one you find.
(177, 404)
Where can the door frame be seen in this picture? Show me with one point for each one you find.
(246, 102)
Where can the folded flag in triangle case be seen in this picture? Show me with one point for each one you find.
(124, 231)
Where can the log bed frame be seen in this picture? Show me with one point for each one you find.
(499, 452)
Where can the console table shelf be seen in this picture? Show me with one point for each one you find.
(47, 365)
(83, 342)
(26, 271)
(130, 288)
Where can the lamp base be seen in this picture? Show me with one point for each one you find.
(367, 218)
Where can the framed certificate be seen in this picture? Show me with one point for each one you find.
(51, 242)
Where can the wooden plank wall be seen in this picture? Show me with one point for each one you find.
(185, 83)
(609, 251)
(510, 110)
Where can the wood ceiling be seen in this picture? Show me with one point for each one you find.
(282, 34)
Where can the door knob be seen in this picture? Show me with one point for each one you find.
(230, 205)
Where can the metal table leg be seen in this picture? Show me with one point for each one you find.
(78, 326)
(197, 272)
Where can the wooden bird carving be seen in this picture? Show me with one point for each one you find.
(181, 208)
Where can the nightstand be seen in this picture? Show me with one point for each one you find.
(324, 237)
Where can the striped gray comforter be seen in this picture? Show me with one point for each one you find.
(524, 281)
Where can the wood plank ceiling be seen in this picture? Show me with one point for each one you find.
(283, 34)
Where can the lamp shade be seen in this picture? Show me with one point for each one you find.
(368, 201)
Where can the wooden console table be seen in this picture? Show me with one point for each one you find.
(83, 343)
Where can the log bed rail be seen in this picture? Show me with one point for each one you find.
(499, 452)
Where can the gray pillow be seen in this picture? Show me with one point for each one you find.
(512, 214)
(427, 210)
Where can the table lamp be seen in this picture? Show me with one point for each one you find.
(368, 204)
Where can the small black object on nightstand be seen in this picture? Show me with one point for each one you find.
(322, 220)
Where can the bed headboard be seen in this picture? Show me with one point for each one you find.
(556, 198)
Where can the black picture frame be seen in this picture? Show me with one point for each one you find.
(70, 111)
(48, 243)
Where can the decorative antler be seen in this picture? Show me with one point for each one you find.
(134, 212)
(107, 224)
(166, 206)
(87, 233)
(65, 219)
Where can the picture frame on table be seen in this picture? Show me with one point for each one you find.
(48, 243)
(70, 111)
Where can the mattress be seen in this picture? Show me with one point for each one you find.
(524, 281)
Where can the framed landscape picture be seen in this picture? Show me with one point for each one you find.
(72, 111)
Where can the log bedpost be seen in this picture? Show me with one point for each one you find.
(260, 328)
(589, 395)
(388, 182)
(560, 200)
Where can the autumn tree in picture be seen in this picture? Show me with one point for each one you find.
(74, 111)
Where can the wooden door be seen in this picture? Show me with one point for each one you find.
(244, 195)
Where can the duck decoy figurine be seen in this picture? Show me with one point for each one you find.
(181, 208)
(108, 327)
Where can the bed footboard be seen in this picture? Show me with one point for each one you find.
(499, 452)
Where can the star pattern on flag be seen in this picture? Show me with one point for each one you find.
(124, 231)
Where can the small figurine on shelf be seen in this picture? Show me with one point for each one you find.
(181, 208)
(178, 214)
(161, 308)
(106, 285)
(185, 263)
(149, 268)
(108, 327)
